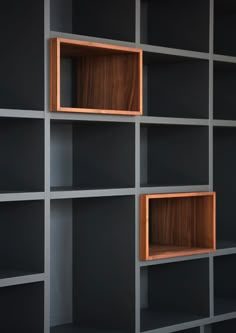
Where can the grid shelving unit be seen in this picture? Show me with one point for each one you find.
(70, 183)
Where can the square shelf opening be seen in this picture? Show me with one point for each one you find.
(103, 19)
(225, 185)
(21, 238)
(224, 284)
(165, 296)
(92, 155)
(22, 308)
(224, 94)
(224, 25)
(175, 86)
(22, 56)
(184, 32)
(93, 265)
(222, 327)
(95, 78)
(176, 224)
(22, 155)
(174, 155)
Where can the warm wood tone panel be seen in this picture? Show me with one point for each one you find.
(177, 225)
(108, 77)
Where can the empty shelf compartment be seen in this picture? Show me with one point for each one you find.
(165, 297)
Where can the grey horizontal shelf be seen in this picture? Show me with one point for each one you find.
(225, 252)
(224, 123)
(66, 116)
(21, 113)
(175, 52)
(172, 121)
(23, 278)
(172, 260)
(22, 196)
(224, 58)
(91, 193)
(174, 189)
(55, 34)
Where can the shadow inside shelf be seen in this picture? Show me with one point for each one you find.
(151, 319)
(224, 244)
(10, 273)
(166, 251)
(69, 328)
(224, 305)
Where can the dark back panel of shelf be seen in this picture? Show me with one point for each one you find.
(176, 87)
(104, 253)
(224, 180)
(224, 27)
(176, 24)
(105, 19)
(222, 327)
(184, 147)
(22, 56)
(103, 155)
(225, 276)
(180, 287)
(22, 308)
(224, 91)
(22, 151)
(22, 236)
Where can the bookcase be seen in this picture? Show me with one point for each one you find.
(71, 179)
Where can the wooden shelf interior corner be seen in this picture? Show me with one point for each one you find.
(174, 225)
(95, 78)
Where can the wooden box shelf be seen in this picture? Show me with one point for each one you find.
(174, 225)
(98, 78)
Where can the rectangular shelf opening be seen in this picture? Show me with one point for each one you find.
(224, 94)
(22, 155)
(174, 155)
(95, 78)
(93, 265)
(222, 327)
(177, 224)
(22, 308)
(165, 296)
(103, 19)
(175, 86)
(225, 185)
(224, 284)
(224, 26)
(184, 32)
(92, 155)
(22, 60)
(21, 238)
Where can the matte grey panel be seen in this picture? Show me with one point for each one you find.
(185, 147)
(21, 308)
(61, 155)
(22, 56)
(61, 262)
(176, 86)
(176, 24)
(21, 238)
(22, 157)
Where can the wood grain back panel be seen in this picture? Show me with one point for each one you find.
(108, 82)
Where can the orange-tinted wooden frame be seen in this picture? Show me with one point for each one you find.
(177, 224)
(109, 76)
